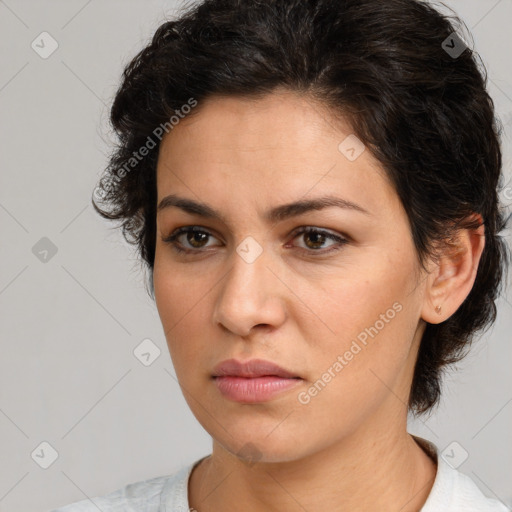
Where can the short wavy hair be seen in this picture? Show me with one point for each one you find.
(393, 68)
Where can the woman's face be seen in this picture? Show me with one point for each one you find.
(339, 308)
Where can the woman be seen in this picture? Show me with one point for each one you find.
(313, 186)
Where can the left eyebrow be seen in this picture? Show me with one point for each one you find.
(276, 214)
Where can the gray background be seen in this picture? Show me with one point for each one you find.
(68, 375)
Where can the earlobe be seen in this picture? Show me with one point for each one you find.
(454, 273)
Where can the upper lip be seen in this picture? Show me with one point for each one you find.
(251, 368)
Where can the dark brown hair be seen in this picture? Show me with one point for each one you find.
(393, 68)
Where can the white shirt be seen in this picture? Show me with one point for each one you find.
(452, 491)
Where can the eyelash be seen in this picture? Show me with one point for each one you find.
(171, 239)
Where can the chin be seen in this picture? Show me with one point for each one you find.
(251, 448)
(251, 453)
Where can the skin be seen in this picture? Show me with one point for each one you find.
(348, 448)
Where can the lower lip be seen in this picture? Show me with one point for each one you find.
(256, 389)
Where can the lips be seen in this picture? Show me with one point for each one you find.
(251, 369)
(254, 381)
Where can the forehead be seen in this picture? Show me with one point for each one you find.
(282, 146)
(246, 123)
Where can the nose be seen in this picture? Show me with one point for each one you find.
(249, 296)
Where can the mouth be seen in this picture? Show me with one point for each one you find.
(252, 381)
(253, 368)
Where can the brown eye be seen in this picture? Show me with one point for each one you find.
(316, 238)
(196, 238)
(193, 239)
(188, 239)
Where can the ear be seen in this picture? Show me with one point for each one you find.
(454, 273)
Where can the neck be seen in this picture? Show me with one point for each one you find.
(381, 469)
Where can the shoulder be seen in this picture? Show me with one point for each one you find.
(458, 491)
(143, 496)
(454, 490)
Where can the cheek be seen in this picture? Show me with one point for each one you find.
(176, 302)
(371, 293)
(176, 291)
(372, 319)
